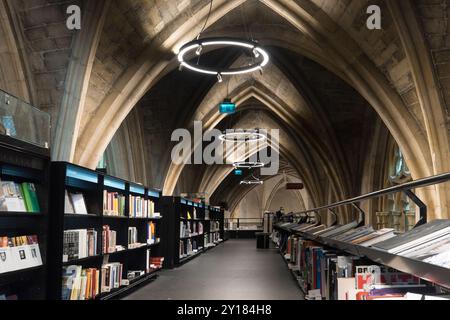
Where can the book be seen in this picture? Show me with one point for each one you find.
(339, 230)
(68, 206)
(354, 234)
(79, 205)
(30, 197)
(415, 237)
(12, 197)
(375, 237)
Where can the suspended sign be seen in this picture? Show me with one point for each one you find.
(294, 186)
(227, 107)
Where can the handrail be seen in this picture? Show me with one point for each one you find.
(406, 188)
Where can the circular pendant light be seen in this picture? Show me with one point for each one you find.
(197, 46)
(243, 136)
(248, 165)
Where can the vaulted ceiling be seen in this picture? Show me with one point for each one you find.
(337, 91)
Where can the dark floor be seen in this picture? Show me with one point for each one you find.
(235, 270)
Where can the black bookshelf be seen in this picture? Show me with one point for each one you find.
(92, 184)
(23, 162)
(429, 272)
(177, 209)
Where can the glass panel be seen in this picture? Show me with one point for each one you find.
(22, 121)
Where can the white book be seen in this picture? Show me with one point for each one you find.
(15, 204)
(82, 243)
(34, 254)
(79, 205)
(68, 207)
(6, 260)
(83, 287)
(21, 258)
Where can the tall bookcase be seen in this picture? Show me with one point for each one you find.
(92, 185)
(181, 213)
(22, 162)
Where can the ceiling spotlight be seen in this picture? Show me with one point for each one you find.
(256, 53)
(199, 50)
(180, 68)
(219, 78)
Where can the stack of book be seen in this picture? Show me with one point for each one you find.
(74, 203)
(17, 253)
(154, 263)
(109, 240)
(79, 244)
(79, 283)
(113, 204)
(111, 276)
(18, 197)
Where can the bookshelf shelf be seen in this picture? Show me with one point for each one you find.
(21, 215)
(185, 214)
(82, 216)
(20, 273)
(82, 260)
(100, 193)
(426, 271)
(23, 163)
(116, 293)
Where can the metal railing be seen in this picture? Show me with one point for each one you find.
(405, 188)
(232, 224)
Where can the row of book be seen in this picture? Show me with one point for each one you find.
(192, 216)
(429, 243)
(86, 284)
(214, 226)
(211, 239)
(190, 229)
(18, 197)
(80, 283)
(139, 207)
(79, 244)
(188, 248)
(83, 243)
(327, 274)
(109, 240)
(113, 204)
(17, 253)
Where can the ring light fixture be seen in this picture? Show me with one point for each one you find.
(252, 182)
(197, 47)
(248, 165)
(243, 136)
